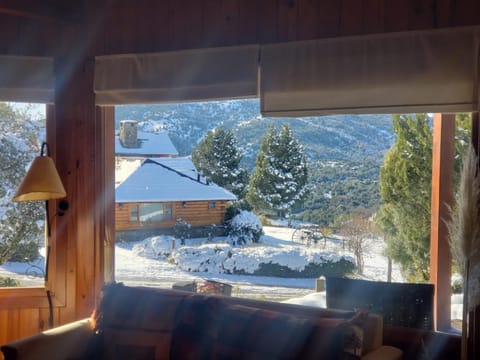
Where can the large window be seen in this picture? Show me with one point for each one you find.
(149, 213)
(23, 250)
(343, 169)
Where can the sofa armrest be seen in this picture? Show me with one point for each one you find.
(64, 342)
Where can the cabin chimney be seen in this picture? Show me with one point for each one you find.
(128, 133)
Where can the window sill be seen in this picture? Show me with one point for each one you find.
(27, 297)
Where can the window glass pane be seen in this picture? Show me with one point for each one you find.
(22, 224)
(336, 217)
(151, 212)
(134, 213)
(167, 211)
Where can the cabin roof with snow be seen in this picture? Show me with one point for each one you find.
(131, 142)
(163, 180)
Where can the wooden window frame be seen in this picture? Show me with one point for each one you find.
(37, 296)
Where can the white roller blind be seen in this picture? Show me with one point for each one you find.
(201, 74)
(424, 71)
(26, 79)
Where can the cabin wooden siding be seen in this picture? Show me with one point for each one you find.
(196, 213)
(74, 32)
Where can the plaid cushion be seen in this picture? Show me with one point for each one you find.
(251, 333)
(140, 345)
(196, 328)
(233, 330)
(137, 308)
(136, 323)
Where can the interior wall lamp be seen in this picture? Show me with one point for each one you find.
(41, 182)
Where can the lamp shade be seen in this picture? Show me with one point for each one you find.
(41, 182)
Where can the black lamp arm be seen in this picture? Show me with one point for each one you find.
(45, 150)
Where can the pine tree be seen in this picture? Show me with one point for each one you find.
(217, 157)
(279, 182)
(405, 186)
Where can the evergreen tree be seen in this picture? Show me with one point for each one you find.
(217, 157)
(405, 187)
(20, 223)
(279, 182)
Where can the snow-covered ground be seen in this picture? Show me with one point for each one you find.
(142, 263)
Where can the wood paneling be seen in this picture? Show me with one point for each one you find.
(186, 21)
(8, 33)
(396, 15)
(421, 14)
(308, 12)
(351, 19)
(443, 12)
(220, 22)
(374, 15)
(29, 36)
(287, 11)
(267, 21)
(16, 323)
(329, 18)
(465, 12)
(157, 26)
(247, 21)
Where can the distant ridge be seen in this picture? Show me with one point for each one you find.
(341, 137)
(344, 152)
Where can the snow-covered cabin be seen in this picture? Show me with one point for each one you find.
(165, 189)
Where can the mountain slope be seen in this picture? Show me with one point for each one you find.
(344, 152)
(342, 137)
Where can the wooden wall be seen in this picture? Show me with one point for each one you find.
(196, 213)
(153, 25)
(74, 32)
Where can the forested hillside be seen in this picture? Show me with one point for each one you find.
(344, 152)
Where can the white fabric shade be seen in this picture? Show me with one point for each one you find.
(26, 79)
(422, 71)
(174, 76)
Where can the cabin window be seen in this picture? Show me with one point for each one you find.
(134, 213)
(212, 205)
(147, 213)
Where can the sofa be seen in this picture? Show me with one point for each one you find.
(147, 323)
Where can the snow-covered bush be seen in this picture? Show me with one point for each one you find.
(261, 260)
(244, 228)
(181, 230)
(206, 258)
(234, 209)
(156, 247)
